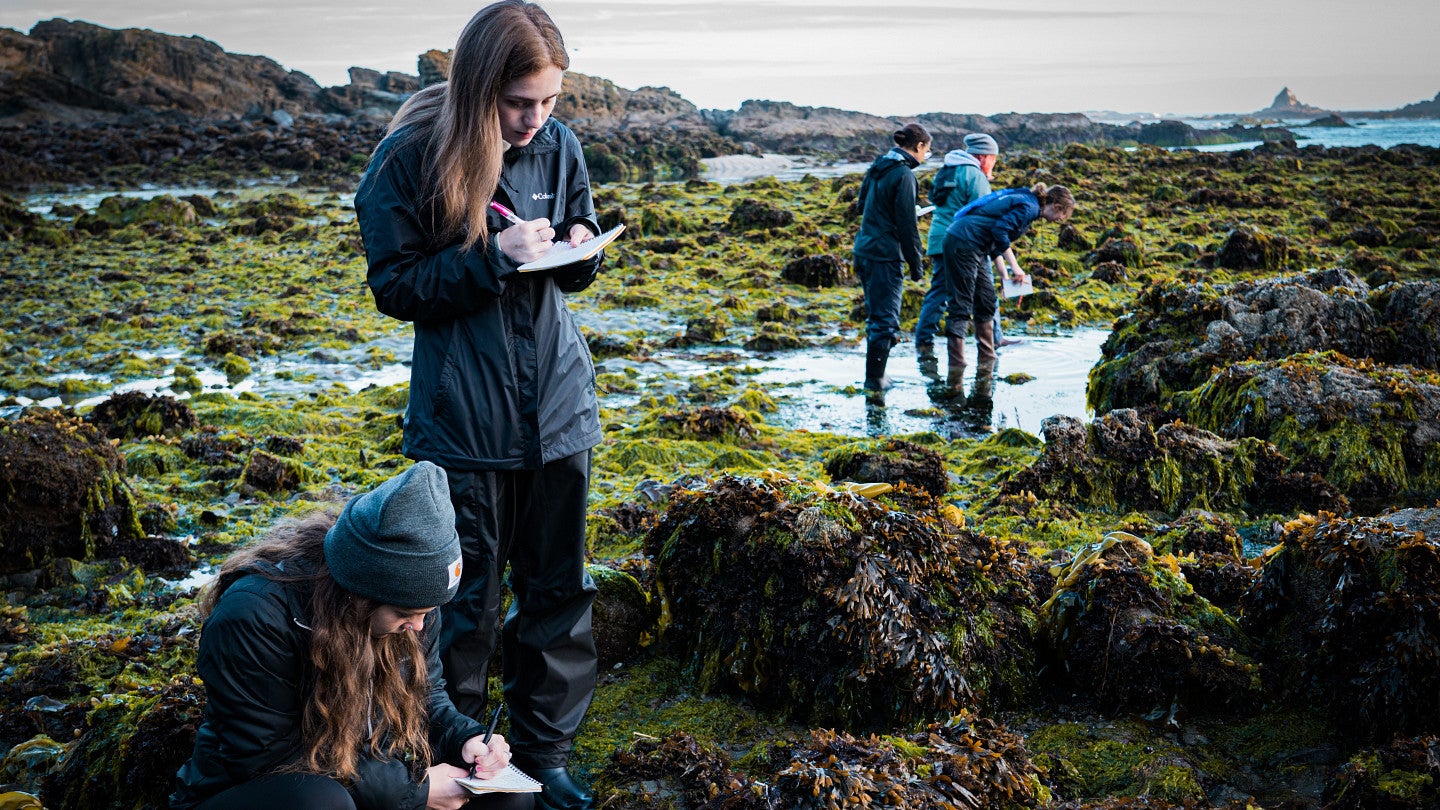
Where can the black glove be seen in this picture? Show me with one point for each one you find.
(915, 272)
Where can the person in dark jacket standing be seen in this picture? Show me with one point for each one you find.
(321, 670)
(502, 387)
(889, 237)
(981, 233)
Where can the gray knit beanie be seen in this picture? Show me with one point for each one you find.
(978, 143)
(397, 543)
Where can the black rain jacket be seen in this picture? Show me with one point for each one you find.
(888, 230)
(255, 662)
(501, 378)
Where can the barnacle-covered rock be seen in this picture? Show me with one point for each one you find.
(1119, 461)
(829, 606)
(1371, 431)
(1177, 333)
(1404, 775)
(1348, 614)
(890, 461)
(820, 270)
(134, 414)
(1249, 248)
(1127, 630)
(1409, 315)
(751, 214)
(62, 492)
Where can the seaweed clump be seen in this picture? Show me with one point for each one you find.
(1404, 775)
(1119, 462)
(62, 492)
(892, 461)
(1129, 631)
(1348, 614)
(751, 214)
(1210, 554)
(134, 414)
(966, 762)
(828, 606)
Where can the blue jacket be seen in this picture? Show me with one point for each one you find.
(994, 221)
(889, 231)
(501, 377)
(958, 183)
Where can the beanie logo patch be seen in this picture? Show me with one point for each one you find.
(454, 571)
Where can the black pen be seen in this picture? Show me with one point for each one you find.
(489, 732)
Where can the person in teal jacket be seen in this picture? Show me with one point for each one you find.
(964, 178)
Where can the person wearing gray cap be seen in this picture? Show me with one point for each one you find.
(964, 178)
(320, 658)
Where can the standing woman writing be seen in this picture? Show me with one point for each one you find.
(981, 233)
(889, 237)
(502, 387)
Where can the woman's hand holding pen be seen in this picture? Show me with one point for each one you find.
(486, 760)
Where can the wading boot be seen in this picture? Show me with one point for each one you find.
(876, 356)
(985, 341)
(561, 791)
(955, 351)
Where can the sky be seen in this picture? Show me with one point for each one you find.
(899, 58)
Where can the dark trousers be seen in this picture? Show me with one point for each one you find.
(937, 298)
(883, 284)
(972, 285)
(534, 521)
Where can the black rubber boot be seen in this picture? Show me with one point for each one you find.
(561, 791)
(876, 356)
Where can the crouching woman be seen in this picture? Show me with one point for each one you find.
(320, 665)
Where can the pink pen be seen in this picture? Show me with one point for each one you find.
(506, 213)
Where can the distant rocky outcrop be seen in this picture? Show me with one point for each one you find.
(1430, 108)
(1286, 105)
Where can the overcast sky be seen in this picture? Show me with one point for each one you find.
(885, 58)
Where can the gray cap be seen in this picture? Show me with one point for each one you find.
(397, 543)
(978, 143)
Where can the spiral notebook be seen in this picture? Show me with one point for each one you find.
(563, 253)
(510, 780)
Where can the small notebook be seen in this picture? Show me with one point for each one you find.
(562, 253)
(1013, 290)
(510, 780)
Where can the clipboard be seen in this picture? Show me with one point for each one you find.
(562, 253)
(1012, 290)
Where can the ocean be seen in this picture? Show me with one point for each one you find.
(1382, 132)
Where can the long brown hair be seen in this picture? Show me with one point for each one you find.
(503, 42)
(369, 693)
(1058, 196)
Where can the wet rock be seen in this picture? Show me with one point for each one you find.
(771, 337)
(1368, 235)
(1208, 550)
(815, 272)
(62, 492)
(131, 750)
(1109, 272)
(1070, 238)
(1120, 250)
(273, 474)
(1409, 315)
(623, 615)
(1403, 775)
(707, 328)
(1119, 461)
(828, 606)
(892, 461)
(1127, 631)
(1178, 333)
(1373, 432)
(134, 414)
(1348, 613)
(751, 214)
(706, 424)
(15, 218)
(1248, 248)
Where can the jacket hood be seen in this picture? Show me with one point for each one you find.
(890, 160)
(959, 157)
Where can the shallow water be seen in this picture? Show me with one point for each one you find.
(816, 388)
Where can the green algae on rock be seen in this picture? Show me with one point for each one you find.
(132, 414)
(890, 461)
(1126, 629)
(1119, 462)
(829, 606)
(1404, 775)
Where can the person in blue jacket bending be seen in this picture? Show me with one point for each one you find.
(889, 237)
(982, 232)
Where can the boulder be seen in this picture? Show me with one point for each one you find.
(832, 607)
(751, 214)
(817, 271)
(134, 414)
(62, 493)
(1127, 631)
(891, 461)
(1248, 248)
(1119, 461)
(623, 616)
(1348, 614)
